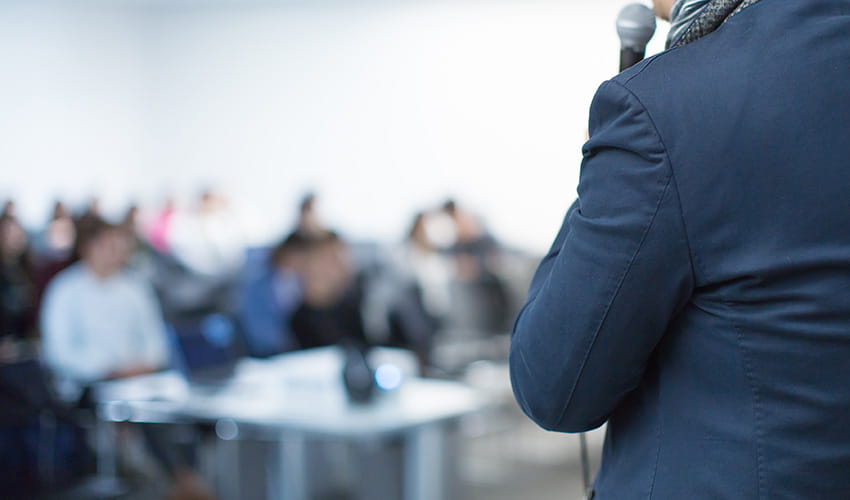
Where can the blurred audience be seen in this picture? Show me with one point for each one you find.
(58, 238)
(199, 263)
(159, 228)
(90, 215)
(478, 261)
(271, 296)
(428, 265)
(100, 321)
(474, 249)
(407, 298)
(18, 299)
(308, 293)
(141, 250)
(330, 311)
(311, 294)
(208, 240)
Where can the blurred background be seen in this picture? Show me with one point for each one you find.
(410, 160)
(373, 103)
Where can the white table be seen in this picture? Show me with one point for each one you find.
(294, 397)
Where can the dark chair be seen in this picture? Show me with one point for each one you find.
(42, 446)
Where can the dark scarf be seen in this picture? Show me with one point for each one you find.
(691, 20)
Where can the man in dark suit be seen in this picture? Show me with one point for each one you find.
(697, 298)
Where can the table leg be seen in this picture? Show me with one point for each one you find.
(292, 470)
(379, 468)
(425, 475)
(105, 483)
(228, 475)
(105, 438)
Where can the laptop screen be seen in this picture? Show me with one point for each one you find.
(205, 345)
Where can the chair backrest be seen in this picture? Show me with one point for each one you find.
(25, 391)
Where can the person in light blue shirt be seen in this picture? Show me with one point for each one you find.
(100, 321)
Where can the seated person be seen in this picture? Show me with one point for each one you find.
(17, 282)
(341, 306)
(270, 298)
(332, 296)
(56, 242)
(99, 321)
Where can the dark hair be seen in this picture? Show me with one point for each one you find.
(25, 258)
(450, 207)
(307, 202)
(90, 229)
(297, 241)
(130, 216)
(8, 209)
(59, 211)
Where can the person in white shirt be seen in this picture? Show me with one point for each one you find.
(100, 321)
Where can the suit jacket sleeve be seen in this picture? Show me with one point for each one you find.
(618, 273)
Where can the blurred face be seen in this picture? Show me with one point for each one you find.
(109, 252)
(468, 228)
(330, 261)
(290, 261)
(13, 239)
(327, 273)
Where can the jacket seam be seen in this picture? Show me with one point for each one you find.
(524, 403)
(695, 262)
(649, 62)
(614, 296)
(697, 265)
(658, 432)
(756, 403)
(621, 280)
(692, 258)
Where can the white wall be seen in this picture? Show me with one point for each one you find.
(71, 103)
(383, 106)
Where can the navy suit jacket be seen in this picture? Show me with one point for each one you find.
(697, 298)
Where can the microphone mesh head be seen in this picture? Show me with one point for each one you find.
(635, 25)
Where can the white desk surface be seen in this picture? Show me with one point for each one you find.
(299, 391)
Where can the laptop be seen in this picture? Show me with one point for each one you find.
(206, 349)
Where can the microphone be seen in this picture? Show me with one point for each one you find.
(635, 26)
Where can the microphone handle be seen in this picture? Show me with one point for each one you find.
(629, 57)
